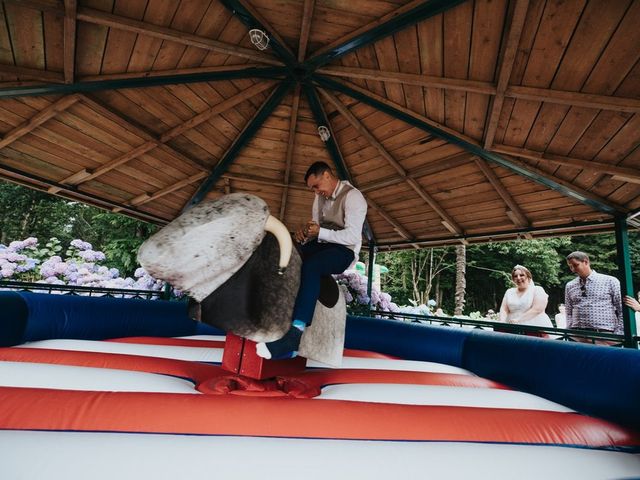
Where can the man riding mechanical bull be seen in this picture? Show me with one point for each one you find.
(238, 266)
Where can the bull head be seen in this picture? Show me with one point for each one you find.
(236, 262)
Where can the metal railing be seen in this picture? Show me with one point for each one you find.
(583, 336)
(81, 290)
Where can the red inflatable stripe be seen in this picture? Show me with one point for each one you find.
(186, 342)
(200, 372)
(41, 409)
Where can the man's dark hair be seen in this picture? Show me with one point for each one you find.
(580, 256)
(317, 168)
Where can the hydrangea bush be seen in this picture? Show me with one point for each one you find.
(354, 287)
(81, 266)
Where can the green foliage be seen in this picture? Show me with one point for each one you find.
(51, 248)
(29, 213)
(489, 269)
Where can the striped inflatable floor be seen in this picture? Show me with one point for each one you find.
(161, 407)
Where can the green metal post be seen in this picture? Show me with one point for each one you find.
(372, 262)
(626, 280)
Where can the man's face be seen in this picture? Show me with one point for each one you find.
(321, 184)
(581, 268)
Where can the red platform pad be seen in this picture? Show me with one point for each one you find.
(240, 357)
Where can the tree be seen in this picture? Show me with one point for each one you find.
(461, 281)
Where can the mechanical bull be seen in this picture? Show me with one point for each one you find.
(238, 266)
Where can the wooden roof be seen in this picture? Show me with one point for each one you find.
(479, 119)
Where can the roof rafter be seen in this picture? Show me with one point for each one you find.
(517, 216)
(31, 74)
(38, 119)
(435, 167)
(404, 16)
(37, 182)
(506, 66)
(152, 142)
(412, 118)
(290, 147)
(142, 81)
(105, 19)
(560, 97)
(305, 28)
(447, 220)
(627, 172)
(70, 8)
(241, 140)
(334, 150)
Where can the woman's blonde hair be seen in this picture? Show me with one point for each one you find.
(524, 269)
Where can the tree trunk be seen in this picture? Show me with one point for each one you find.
(461, 281)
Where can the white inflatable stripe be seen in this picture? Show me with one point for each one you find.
(65, 377)
(215, 338)
(439, 395)
(108, 456)
(194, 354)
(389, 364)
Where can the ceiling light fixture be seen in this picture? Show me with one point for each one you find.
(324, 133)
(259, 38)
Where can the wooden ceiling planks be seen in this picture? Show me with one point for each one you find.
(553, 86)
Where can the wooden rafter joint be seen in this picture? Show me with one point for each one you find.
(140, 199)
(77, 177)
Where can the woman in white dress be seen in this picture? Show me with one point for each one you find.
(525, 304)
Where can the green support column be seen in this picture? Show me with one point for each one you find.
(626, 280)
(372, 262)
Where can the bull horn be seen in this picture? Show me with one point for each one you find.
(277, 228)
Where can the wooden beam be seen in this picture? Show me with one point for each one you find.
(152, 142)
(70, 8)
(575, 99)
(399, 19)
(263, 181)
(290, 147)
(578, 99)
(305, 28)
(630, 173)
(396, 226)
(165, 73)
(515, 213)
(429, 200)
(72, 192)
(506, 66)
(38, 119)
(427, 81)
(569, 185)
(127, 24)
(32, 74)
(472, 146)
(147, 197)
(50, 6)
(216, 110)
(437, 166)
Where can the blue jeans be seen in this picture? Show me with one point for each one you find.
(318, 260)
